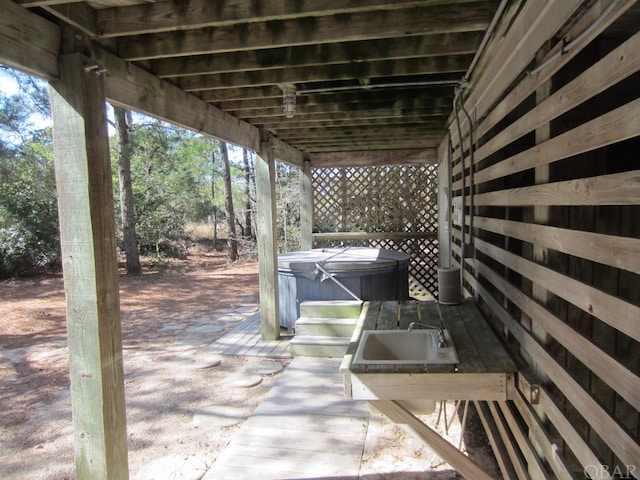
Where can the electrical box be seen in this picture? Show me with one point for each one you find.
(457, 211)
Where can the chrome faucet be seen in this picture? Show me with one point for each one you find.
(442, 342)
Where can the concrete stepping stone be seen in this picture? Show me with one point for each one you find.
(230, 318)
(178, 467)
(264, 367)
(154, 384)
(171, 326)
(242, 381)
(207, 362)
(217, 416)
(224, 310)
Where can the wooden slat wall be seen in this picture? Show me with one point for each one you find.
(555, 254)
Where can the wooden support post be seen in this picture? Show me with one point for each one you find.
(541, 217)
(537, 215)
(89, 260)
(267, 242)
(306, 207)
(540, 255)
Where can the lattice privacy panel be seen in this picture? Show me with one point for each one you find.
(401, 198)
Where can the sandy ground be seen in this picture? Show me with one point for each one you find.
(170, 316)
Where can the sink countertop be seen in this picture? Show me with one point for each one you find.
(485, 370)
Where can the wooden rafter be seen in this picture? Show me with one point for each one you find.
(306, 31)
(236, 55)
(364, 158)
(320, 54)
(301, 75)
(167, 16)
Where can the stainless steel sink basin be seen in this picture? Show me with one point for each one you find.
(388, 347)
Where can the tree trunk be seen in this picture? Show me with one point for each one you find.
(123, 121)
(213, 199)
(228, 200)
(248, 232)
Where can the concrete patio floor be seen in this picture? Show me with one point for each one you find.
(304, 427)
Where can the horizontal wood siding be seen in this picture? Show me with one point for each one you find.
(551, 234)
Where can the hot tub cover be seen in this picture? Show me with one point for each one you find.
(342, 260)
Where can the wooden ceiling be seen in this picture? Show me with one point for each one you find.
(368, 74)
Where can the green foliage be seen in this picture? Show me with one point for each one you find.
(29, 237)
(171, 172)
(176, 179)
(288, 207)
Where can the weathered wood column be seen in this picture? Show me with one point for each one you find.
(88, 239)
(267, 242)
(306, 206)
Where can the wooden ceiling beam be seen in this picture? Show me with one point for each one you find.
(360, 140)
(231, 57)
(374, 158)
(366, 140)
(29, 42)
(427, 126)
(432, 66)
(363, 96)
(303, 111)
(170, 15)
(79, 15)
(132, 87)
(393, 134)
(321, 54)
(377, 114)
(242, 93)
(245, 94)
(432, 121)
(309, 31)
(360, 131)
(399, 108)
(383, 144)
(265, 119)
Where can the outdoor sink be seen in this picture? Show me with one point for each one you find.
(389, 347)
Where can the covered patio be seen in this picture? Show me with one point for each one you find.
(529, 108)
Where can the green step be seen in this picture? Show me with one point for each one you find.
(313, 346)
(330, 308)
(326, 327)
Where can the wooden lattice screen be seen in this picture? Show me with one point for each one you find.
(392, 207)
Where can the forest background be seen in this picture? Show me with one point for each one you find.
(179, 190)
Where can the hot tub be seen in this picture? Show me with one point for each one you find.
(368, 273)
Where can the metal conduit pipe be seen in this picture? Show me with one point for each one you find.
(465, 247)
(568, 46)
(485, 39)
(450, 176)
(464, 186)
(457, 96)
(471, 174)
(381, 85)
